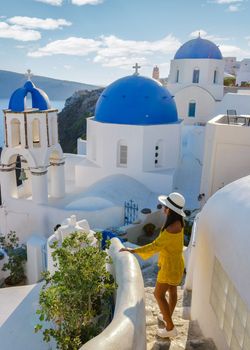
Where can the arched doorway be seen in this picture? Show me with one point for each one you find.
(19, 178)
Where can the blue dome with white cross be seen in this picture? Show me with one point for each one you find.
(136, 100)
(39, 98)
(197, 49)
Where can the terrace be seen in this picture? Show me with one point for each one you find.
(232, 118)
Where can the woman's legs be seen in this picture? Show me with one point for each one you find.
(160, 296)
(172, 292)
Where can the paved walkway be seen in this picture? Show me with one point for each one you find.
(189, 334)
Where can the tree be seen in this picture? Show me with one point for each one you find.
(77, 298)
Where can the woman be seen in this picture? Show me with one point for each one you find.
(169, 245)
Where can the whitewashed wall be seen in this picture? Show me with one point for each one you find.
(160, 181)
(221, 275)
(205, 104)
(226, 155)
(240, 102)
(27, 218)
(243, 74)
(206, 67)
(102, 154)
(81, 146)
(230, 64)
(71, 160)
(193, 137)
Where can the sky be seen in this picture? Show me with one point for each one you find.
(99, 41)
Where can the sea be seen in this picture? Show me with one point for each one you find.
(58, 104)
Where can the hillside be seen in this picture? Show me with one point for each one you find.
(72, 119)
(56, 89)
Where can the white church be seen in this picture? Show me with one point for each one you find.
(144, 140)
(132, 152)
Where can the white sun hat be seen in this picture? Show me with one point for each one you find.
(174, 201)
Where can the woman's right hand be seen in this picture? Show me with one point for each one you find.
(126, 250)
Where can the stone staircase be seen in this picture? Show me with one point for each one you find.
(189, 334)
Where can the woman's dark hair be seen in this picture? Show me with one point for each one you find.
(171, 218)
(57, 227)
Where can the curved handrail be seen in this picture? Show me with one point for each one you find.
(127, 330)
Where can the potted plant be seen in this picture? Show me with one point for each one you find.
(17, 256)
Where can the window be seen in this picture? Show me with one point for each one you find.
(158, 157)
(191, 109)
(196, 75)
(122, 154)
(177, 76)
(215, 77)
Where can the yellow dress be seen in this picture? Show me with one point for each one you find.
(170, 261)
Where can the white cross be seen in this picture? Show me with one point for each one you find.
(29, 74)
(136, 67)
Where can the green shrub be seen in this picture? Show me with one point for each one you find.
(229, 81)
(77, 297)
(245, 84)
(17, 256)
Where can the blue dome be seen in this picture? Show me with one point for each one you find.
(39, 98)
(198, 48)
(136, 100)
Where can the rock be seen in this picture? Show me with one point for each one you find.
(72, 119)
(151, 321)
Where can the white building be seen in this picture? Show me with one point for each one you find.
(226, 154)
(31, 134)
(239, 69)
(243, 74)
(219, 267)
(132, 153)
(196, 80)
(231, 65)
(136, 132)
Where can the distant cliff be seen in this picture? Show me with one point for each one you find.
(56, 89)
(72, 119)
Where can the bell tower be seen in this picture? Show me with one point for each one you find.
(32, 163)
(156, 73)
